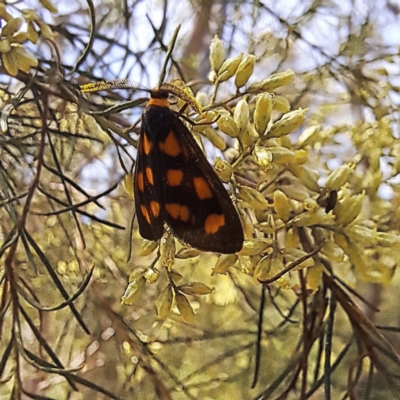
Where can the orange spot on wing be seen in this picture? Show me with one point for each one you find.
(140, 182)
(170, 146)
(147, 144)
(202, 188)
(176, 211)
(213, 223)
(155, 208)
(184, 214)
(145, 214)
(173, 210)
(174, 177)
(149, 175)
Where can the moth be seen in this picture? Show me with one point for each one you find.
(176, 187)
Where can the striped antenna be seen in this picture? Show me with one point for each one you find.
(93, 87)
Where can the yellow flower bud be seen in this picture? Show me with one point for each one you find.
(133, 290)
(332, 250)
(29, 15)
(185, 253)
(48, 5)
(313, 217)
(263, 157)
(128, 184)
(300, 156)
(388, 239)
(231, 154)
(287, 124)
(20, 37)
(212, 76)
(241, 115)
(249, 136)
(262, 271)
(341, 240)
(295, 191)
(223, 169)
(273, 82)
(151, 275)
(310, 204)
(227, 125)
(253, 198)
(195, 288)
(45, 29)
(309, 136)
(229, 68)
(280, 104)
(348, 209)
(269, 226)
(147, 247)
(224, 262)
(10, 63)
(361, 234)
(167, 250)
(262, 112)
(282, 155)
(4, 13)
(24, 59)
(282, 205)
(212, 135)
(175, 276)
(165, 302)
(245, 70)
(255, 247)
(5, 46)
(247, 224)
(11, 27)
(339, 177)
(204, 120)
(307, 176)
(184, 307)
(357, 257)
(202, 98)
(217, 53)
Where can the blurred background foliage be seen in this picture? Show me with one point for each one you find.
(318, 193)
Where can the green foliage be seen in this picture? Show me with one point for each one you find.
(88, 307)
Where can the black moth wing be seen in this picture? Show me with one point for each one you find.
(193, 163)
(153, 227)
